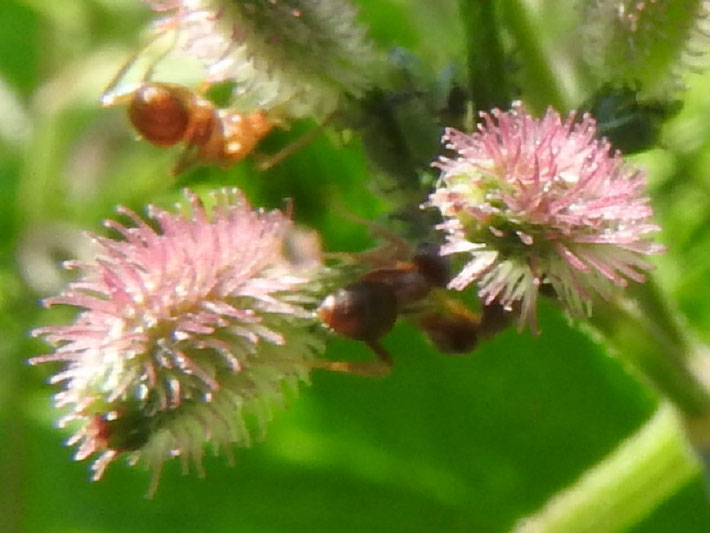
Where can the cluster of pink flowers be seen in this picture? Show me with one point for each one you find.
(537, 202)
(189, 321)
(182, 330)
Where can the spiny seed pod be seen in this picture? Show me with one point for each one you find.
(181, 331)
(644, 45)
(302, 56)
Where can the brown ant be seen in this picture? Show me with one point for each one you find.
(166, 114)
(368, 308)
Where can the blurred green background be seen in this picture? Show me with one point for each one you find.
(443, 444)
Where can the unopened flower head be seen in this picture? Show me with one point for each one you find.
(182, 330)
(299, 56)
(542, 201)
(645, 45)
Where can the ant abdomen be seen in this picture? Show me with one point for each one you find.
(451, 334)
(159, 114)
(364, 310)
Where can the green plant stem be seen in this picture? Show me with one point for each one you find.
(643, 332)
(542, 84)
(643, 471)
(485, 59)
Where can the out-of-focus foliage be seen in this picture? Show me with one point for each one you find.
(444, 443)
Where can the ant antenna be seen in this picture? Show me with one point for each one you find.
(107, 97)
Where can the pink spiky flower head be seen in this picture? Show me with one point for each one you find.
(542, 201)
(182, 331)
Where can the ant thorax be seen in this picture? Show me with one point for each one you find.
(242, 132)
(399, 281)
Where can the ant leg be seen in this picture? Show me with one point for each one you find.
(267, 162)
(348, 258)
(379, 368)
(110, 100)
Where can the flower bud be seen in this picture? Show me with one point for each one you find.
(182, 331)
